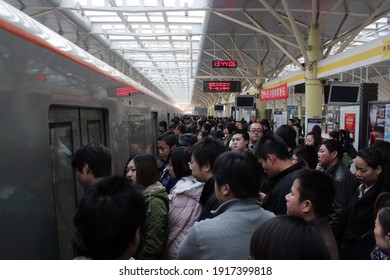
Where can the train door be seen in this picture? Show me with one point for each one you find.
(154, 131)
(69, 129)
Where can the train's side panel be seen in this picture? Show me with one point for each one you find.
(50, 105)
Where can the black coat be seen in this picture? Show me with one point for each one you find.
(359, 240)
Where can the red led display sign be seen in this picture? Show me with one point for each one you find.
(224, 64)
(221, 86)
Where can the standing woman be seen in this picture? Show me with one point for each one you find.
(143, 169)
(359, 238)
(184, 206)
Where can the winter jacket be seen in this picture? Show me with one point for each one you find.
(345, 185)
(184, 210)
(154, 231)
(226, 236)
(359, 236)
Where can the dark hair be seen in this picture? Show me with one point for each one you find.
(207, 150)
(181, 128)
(384, 219)
(271, 144)
(127, 163)
(317, 139)
(244, 133)
(288, 238)
(335, 135)
(334, 145)
(207, 127)
(317, 187)
(239, 170)
(180, 157)
(307, 154)
(147, 170)
(98, 158)
(384, 149)
(316, 129)
(169, 138)
(163, 124)
(288, 134)
(372, 157)
(111, 212)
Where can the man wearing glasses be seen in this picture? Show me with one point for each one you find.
(255, 133)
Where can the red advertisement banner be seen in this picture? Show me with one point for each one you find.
(349, 124)
(279, 92)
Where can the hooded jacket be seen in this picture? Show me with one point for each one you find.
(154, 231)
(184, 210)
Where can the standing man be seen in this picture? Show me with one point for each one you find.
(203, 155)
(311, 198)
(90, 163)
(273, 155)
(166, 143)
(227, 236)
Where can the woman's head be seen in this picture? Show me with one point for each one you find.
(178, 162)
(313, 139)
(382, 230)
(287, 238)
(369, 166)
(142, 169)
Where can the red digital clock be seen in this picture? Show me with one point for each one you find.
(224, 64)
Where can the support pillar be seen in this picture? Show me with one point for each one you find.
(260, 105)
(313, 86)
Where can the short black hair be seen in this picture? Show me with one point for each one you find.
(207, 150)
(288, 134)
(98, 158)
(239, 170)
(307, 154)
(169, 138)
(317, 187)
(288, 238)
(111, 212)
(271, 144)
(334, 145)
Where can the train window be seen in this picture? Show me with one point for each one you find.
(61, 148)
(94, 131)
(137, 135)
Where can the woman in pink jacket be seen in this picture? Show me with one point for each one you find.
(184, 206)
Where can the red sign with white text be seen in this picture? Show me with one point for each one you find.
(279, 92)
(349, 124)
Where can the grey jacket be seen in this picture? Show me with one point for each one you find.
(226, 236)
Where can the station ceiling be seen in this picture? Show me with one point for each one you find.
(151, 41)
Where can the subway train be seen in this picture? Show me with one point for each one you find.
(54, 98)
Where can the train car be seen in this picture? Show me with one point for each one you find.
(54, 98)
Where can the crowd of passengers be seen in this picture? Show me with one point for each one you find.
(221, 189)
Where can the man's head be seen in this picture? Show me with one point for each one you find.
(240, 139)
(111, 215)
(255, 132)
(203, 155)
(271, 150)
(330, 153)
(166, 142)
(236, 175)
(91, 162)
(288, 134)
(162, 126)
(307, 155)
(312, 194)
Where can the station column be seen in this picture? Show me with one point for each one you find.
(260, 105)
(313, 86)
